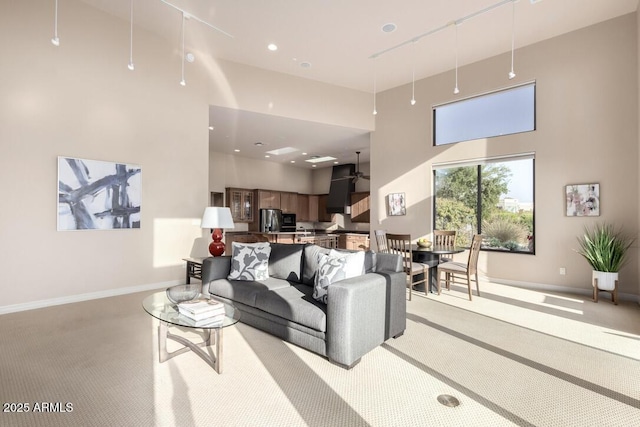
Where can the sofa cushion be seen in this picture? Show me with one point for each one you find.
(294, 303)
(250, 261)
(370, 259)
(330, 270)
(244, 291)
(355, 262)
(285, 261)
(311, 252)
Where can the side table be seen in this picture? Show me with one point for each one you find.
(194, 268)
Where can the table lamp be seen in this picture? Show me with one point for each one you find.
(217, 219)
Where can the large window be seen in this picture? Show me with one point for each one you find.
(493, 197)
(505, 112)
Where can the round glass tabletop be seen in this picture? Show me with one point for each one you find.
(159, 306)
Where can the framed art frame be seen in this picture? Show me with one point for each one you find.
(582, 199)
(98, 195)
(396, 204)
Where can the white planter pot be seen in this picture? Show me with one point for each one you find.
(606, 280)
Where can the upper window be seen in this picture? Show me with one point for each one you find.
(504, 112)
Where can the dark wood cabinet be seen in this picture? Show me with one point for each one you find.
(289, 202)
(360, 206)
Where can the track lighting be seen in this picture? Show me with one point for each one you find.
(55, 40)
(513, 31)
(413, 77)
(182, 81)
(131, 66)
(456, 90)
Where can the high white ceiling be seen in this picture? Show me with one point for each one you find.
(338, 38)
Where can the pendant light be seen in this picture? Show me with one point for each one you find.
(456, 90)
(413, 76)
(513, 30)
(55, 40)
(374, 88)
(131, 66)
(182, 81)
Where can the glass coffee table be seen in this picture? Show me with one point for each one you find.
(159, 306)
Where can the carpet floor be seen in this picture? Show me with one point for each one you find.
(510, 357)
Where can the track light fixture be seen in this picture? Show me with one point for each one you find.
(55, 40)
(513, 31)
(374, 91)
(413, 77)
(131, 66)
(456, 90)
(182, 81)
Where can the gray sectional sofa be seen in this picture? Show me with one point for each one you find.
(361, 313)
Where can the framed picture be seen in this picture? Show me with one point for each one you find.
(583, 199)
(98, 195)
(397, 204)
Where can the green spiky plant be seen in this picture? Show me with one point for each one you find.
(604, 247)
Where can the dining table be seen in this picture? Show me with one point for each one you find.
(431, 257)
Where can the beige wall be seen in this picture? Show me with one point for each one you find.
(80, 100)
(587, 131)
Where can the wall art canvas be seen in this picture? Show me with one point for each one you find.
(98, 195)
(397, 204)
(583, 200)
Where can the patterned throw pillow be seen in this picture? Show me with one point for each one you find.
(250, 261)
(330, 270)
(355, 262)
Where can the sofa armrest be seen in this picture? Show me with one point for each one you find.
(214, 268)
(355, 317)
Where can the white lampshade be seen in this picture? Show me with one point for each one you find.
(215, 217)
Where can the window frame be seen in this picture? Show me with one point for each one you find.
(434, 108)
(478, 163)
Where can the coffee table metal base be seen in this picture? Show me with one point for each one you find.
(214, 360)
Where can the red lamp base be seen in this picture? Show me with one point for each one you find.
(216, 248)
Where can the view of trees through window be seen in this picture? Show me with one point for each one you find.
(493, 199)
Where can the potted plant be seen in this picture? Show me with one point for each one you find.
(605, 249)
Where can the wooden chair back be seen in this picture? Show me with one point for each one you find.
(444, 237)
(381, 241)
(474, 251)
(400, 244)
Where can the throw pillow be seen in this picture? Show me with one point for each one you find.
(355, 262)
(250, 261)
(330, 270)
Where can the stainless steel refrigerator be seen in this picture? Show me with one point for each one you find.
(270, 220)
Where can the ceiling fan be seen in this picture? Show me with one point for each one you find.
(356, 175)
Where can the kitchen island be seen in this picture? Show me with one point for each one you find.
(327, 240)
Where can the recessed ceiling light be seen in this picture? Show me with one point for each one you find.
(389, 28)
(272, 47)
(267, 156)
(313, 166)
(335, 163)
(190, 57)
(258, 144)
(304, 154)
(293, 161)
(236, 150)
(305, 64)
(210, 127)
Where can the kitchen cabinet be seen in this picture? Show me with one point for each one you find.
(302, 212)
(268, 199)
(354, 242)
(313, 208)
(360, 206)
(229, 238)
(323, 215)
(240, 202)
(289, 202)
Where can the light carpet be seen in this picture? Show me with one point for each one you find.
(511, 357)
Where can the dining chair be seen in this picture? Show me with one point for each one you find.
(381, 240)
(444, 238)
(401, 244)
(459, 272)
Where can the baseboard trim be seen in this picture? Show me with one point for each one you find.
(556, 288)
(85, 297)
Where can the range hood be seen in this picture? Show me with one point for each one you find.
(339, 200)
